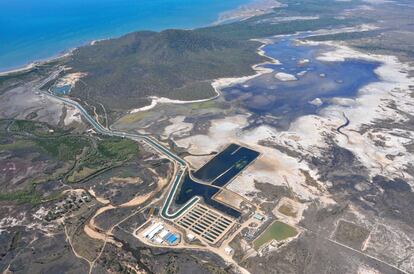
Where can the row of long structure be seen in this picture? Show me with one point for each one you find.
(158, 234)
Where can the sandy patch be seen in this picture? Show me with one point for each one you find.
(289, 211)
(72, 116)
(20, 102)
(229, 198)
(363, 269)
(272, 166)
(198, 161)
(143, 198)
(254, 8)
(374, 103)
(178, 128)
(358, 28)
(316, 102)
(70, 79)
(162, 100)
(377, 2)
(302, 62)
(219, 83)
(285, 77)
(306, 134)
(302, 73)
(99, 199)
(220, 132)
(98, 235)
(126, 180)
(289, 19)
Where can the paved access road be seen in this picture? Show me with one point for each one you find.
(181, 163)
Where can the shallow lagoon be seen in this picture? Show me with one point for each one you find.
(317, 82)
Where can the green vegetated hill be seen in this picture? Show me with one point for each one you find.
(179, 64)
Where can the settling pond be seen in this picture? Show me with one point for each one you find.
(220, 170)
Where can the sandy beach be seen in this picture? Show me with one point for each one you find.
(32, 65)
(254, 8)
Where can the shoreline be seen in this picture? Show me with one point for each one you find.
(246, 11)
(307, 133)
(220, 83)
(34, 64)
(67, 52)
(371, 106)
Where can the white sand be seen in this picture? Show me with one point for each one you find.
(359, 28)
(22, 69)
(306, 134)
(198, 161)
(34, 64)
(373, 104)
(178, 128)
(364, 269)
(70, 79)
(302, 62)
(302, 73)
(272, 167)
(72, 116)
(316, 102)
(290, 18)
(220, 131)
(254, 8)
(219, 83)
(162, 100)
(377, 2)
(285, 77)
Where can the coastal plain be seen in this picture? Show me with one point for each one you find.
(280, 142)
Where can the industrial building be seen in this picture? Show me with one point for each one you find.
(159, 234)
(152, 230)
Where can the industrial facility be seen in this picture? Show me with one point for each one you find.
(159, 234)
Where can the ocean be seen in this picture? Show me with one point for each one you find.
(36, 30)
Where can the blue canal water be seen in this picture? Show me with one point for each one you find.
(34, 30)
(287, 100)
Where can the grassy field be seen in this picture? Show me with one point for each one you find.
(21, 197)
(204, 105)
(288, 210)
(276, 231)
(133, 117)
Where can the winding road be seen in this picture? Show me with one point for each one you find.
(153, 143)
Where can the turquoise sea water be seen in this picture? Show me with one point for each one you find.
(32, 30)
